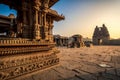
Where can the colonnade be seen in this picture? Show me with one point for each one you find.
(36, 24)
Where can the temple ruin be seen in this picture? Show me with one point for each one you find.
(76, 41)
(101, 35)
(61, 41)
(70, 42)
(27, 42)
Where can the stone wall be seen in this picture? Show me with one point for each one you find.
(113, 42)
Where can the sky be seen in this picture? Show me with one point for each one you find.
(5, 10)
(82, 16)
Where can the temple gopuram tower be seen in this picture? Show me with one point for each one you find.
(27, 44)
(101, 35)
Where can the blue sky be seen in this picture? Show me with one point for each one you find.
(81, 16)
(5, 10)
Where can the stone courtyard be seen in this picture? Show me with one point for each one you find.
(94, 63)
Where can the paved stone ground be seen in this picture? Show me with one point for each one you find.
(95, 63)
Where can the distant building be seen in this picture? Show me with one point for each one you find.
(101, 35)
(113, 42)
(73, 41)
(76, 41)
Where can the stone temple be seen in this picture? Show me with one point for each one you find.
(101, 35)
(26, 43)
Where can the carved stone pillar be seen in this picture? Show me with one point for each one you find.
(46, 2)
(50, 31)
(36, 26)
(36, 32)
(40, 22)
(45, 26)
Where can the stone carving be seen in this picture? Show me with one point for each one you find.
(100, 35)
(30, 63)
(29, 46)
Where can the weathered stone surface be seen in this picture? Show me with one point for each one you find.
(82, 64)
(107, 58)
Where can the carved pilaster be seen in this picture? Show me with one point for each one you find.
(30, 22)
(24, 8)
(40, 23)
(25, 29)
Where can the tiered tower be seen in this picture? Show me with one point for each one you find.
(101, 35)
(28, 45)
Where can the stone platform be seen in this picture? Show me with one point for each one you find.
(23, 56)
(95, 63)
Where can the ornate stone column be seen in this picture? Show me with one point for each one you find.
(36, 32)
(50, 31)
(45, 11)
(45, 26)
(40, 22)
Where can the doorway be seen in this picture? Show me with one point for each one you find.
(99, 41)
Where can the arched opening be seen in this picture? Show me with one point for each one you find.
(8, 26)
(100, 41)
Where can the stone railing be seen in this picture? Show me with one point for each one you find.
(13, 41)
(19, 41)
(11, 46)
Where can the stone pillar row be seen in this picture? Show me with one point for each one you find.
(40, 21)
(31, 28)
